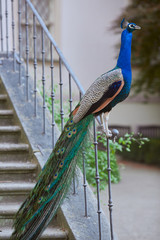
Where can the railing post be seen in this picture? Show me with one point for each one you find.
(52, 95)
(20, 42)
(61, 94)
(6, 13)
(1, 24)
(85, 185)
(110, 203)
(97, 180)
(70, 93)
(13, 35)
(27, 51)
(35, 64)
(43, 82)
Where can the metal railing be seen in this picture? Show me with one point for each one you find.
(45, 34)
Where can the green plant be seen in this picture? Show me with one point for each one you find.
(129, 139)
(122, 144)
(57, 116)
(149, 153)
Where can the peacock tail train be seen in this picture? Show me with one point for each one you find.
(41, 205)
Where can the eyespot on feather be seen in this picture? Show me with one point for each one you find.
(74, 131)
(67, 129)
(58, 152)
(40, 199)
(70, 122)
(56, 175)
(61, 164)
(62, 150)
(69, 135)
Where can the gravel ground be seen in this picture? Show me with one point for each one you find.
(136, 199)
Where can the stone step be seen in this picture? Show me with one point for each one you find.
(8, 211)
(17, 171)
(8, 188)
(17, 199)
(50, 233)
(3, 101)
(14, 152)
(9, 134)
(6, 117)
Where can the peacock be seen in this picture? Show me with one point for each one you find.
(105, 92)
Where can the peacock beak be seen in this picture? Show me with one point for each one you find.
(137, 27)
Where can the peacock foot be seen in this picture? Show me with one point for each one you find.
(108, 133)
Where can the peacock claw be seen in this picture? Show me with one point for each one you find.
(108, 134)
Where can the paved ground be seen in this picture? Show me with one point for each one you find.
(136, 199)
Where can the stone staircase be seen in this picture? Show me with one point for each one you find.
(18, 171)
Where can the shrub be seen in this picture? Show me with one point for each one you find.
(149, 153)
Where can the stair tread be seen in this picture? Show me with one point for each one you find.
(14, 147)
(49, 233)
(3, 96)
(14, 166)
(6, 112)
(9, 209)
(10, 129)
(7, 186)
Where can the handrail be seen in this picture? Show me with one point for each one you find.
(56, 46)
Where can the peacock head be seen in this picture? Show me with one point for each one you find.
(129, 26)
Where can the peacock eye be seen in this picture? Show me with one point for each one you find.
(131, 25)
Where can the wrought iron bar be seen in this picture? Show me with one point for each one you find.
(110, 204)
(97, 180)
(85, 185)
(115, 133)
(52, 95)
(6, 13)
(70, 93)
(43, 81)
(1, 24)
(61, 94)
(35, 64)
(13, 35)
(27, 50)
(20, 41)
(74, 180)
(48, 34)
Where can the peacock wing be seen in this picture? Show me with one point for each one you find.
(100, 93)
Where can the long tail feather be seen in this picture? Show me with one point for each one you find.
(41, 205)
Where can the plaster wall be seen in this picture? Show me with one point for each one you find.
(87, 40)
(135, 115)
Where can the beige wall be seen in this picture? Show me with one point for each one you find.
(135, 115)
(86, 39)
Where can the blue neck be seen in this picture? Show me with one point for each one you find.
(124, 59)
